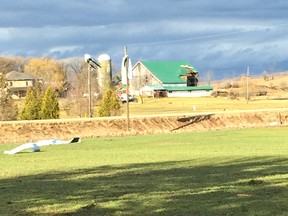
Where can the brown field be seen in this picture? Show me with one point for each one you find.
(275, 85)
(26, 131)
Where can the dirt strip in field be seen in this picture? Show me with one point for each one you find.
(29, 131)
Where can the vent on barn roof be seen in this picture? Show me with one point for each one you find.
(191, 74)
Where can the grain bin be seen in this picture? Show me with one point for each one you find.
(105, 72)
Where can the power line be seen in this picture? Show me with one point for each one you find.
(200, 38)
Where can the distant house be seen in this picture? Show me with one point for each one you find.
(167, 79)
(18, 82)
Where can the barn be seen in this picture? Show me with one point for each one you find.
(166, 79)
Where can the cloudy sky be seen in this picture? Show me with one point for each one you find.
(221, 36)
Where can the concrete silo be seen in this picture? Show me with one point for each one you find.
(105, 72)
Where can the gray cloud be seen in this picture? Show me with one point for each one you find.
(220, 35)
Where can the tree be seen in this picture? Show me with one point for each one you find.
(32, 106)
(40, 106)
(48, 69)
(33, 102)
(8, 64)
(50, 106)
(77, 102)
(109, 105)
(8, 109)
(265, 75)
(208, 77)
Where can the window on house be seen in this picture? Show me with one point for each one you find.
(11, 83)
(27, 84)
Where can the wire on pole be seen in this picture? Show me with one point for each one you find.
(127, 87)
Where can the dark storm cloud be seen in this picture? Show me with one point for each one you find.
(220, 35)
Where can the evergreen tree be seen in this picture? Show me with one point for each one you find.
(50, 106)
(32, 106)
(8, 109)
(109, 105)
(39, 105)
(39, 92)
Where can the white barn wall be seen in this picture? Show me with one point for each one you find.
(200, 93)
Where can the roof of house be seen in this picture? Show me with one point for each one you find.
(169, 71)
(178, 88)
(14, 75)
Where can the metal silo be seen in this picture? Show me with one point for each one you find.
(105, 72)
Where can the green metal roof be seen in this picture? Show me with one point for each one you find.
(167, 71)
(188, 88)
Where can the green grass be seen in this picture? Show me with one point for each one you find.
(233, 172)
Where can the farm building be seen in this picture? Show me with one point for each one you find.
(167, 79)
(18, 82)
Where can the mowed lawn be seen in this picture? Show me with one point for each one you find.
(233, 172)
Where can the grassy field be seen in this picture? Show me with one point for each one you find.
(152, 106)
(233, 172)
(202, 104)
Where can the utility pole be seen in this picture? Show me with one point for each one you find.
(127, 87)
(92, 64)
(247, 85)
(89, 92)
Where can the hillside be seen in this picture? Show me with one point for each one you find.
(270, 86)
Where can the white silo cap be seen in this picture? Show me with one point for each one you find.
(104, 57)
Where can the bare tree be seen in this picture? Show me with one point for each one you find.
(265, 75)
(209, 76)
(77, 103)
(8, 109)
(8, 64)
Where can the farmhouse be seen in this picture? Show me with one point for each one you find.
(18, 82)
(167, 79)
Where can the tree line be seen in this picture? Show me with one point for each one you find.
(39, 104)
(66, 79)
